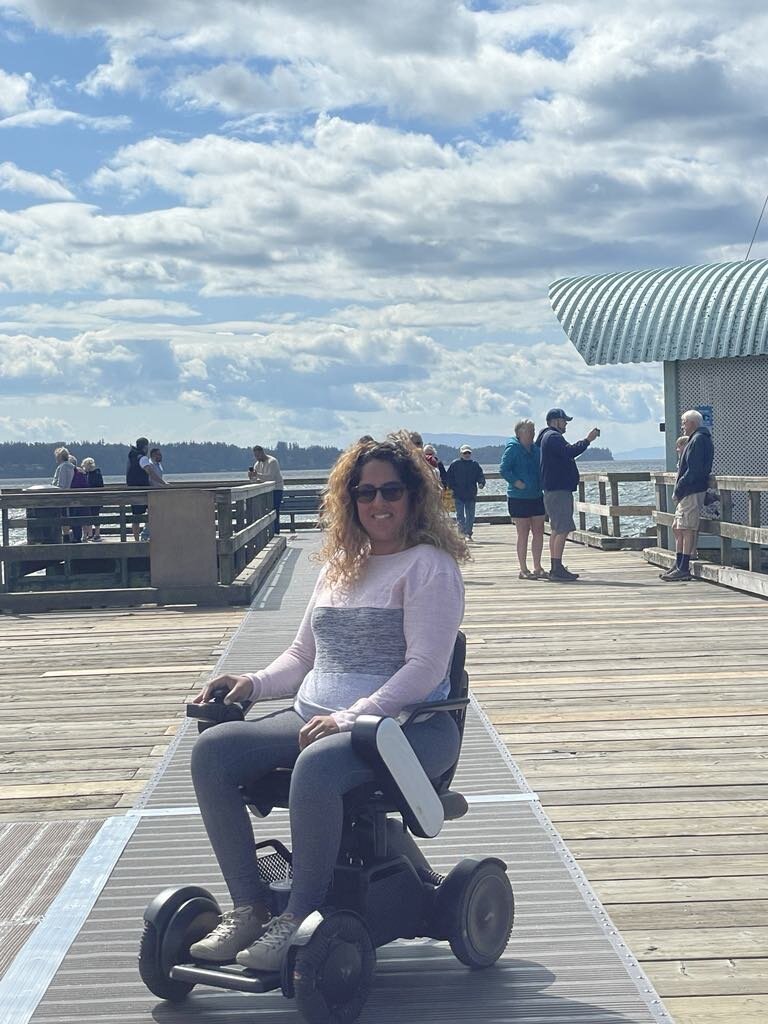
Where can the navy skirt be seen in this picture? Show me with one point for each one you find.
(524, 508)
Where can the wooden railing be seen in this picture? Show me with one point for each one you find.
(743, 547)
(608, 509)
(207, 543)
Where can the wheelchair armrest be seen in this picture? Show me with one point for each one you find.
(381, 742)
(417, 711)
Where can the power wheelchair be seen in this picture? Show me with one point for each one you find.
(376, 896)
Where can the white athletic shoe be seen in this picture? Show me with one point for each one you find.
(266, 954)
(237, 929)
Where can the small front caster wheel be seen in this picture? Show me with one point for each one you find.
(332, 973)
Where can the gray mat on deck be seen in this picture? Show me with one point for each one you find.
(559, 967)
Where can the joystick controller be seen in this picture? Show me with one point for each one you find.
(214, 710)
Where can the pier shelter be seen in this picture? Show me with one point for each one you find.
(707, 325)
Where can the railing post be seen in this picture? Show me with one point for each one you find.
(226, 561)
(662, 531)
(603, 500)
(582, 497)
(123, 526)
(726, 516)
(755, 554)
(616, 520)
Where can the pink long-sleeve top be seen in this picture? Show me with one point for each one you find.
(375, 647)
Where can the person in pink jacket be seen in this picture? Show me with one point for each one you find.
(377, 637)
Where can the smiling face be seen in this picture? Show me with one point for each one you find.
(383, 521)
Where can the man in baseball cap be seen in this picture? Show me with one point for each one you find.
(464, 477)
(559, 479)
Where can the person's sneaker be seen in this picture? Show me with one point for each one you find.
(144, 535)
(676, 576)
(561, 575)
(237, 929)
(663, 575)
(267, 953)
(96, 540)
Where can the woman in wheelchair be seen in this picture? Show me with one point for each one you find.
(377, 636)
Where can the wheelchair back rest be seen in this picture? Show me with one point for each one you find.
(459, 690)
(459, 678)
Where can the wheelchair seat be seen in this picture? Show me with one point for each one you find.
(383, 796)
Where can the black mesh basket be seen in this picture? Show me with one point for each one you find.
(275, 866)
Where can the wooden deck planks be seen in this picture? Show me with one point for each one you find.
(91, 700)
(638, 712)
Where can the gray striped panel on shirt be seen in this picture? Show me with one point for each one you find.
(368, 640)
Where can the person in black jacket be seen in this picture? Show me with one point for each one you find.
(559, 479)
(464, 476)
(92, 527)
(136, 475)
(690, 488)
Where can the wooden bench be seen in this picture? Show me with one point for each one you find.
(300, 503)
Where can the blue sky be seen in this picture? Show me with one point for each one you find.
(298, 220)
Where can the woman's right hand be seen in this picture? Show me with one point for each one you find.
(239, 688)
(520, 485)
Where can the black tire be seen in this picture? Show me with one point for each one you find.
(483, 916)
(172, 922)
(332, 974)
(158, 983)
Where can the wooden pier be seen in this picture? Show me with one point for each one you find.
(636, 710)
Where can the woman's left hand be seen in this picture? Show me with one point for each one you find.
(315, 729)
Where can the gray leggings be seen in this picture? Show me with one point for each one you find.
(241, 753)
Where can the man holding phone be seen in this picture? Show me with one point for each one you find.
(559, 479)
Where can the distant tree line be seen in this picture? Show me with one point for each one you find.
(35, 458)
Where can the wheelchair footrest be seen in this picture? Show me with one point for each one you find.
(230, 976)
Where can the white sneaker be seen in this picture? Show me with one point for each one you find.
(267, 953)
(144, 535)
(237, 929)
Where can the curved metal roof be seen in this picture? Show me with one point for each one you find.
(705, 312)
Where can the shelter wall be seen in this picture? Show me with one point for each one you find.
(737, 390)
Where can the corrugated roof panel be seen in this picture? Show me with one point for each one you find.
(705, 312)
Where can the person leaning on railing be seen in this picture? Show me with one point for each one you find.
(266, 469)
(377, 636)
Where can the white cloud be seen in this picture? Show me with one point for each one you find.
(46, 117)
(40, 428)
(15, 179)
(14, 92)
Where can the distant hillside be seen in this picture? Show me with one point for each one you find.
(643, 454)
(490, 455)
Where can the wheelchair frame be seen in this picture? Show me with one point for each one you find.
(376, 896)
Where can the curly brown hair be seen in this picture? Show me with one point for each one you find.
(346, 546)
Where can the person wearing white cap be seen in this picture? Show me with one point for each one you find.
(464, 477)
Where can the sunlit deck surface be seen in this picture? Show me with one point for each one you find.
(636, 710)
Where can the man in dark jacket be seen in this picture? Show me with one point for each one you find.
(464, 477)
(690, 488)
(559, 479)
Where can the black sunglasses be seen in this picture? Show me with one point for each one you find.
(367, 493)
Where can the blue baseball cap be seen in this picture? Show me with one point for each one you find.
(558, 414)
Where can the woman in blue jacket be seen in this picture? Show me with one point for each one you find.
(520, 467)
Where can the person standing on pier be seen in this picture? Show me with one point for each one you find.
(377, 636)
(521, 468)
(693, 474)
(559, 479)
(464, 477)
(266, 469)
(136, 476)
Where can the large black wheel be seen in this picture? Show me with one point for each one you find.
(332, 973)
(481, 913)
(172, 922)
